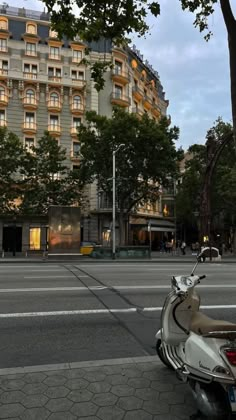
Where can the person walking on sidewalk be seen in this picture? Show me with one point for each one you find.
(183, 246)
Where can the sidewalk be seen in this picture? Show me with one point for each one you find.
(121, 389)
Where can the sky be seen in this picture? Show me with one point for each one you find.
(194, 73)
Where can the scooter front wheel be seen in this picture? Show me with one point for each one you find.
(161, 354)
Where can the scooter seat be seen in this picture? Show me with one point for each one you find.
(202, 324)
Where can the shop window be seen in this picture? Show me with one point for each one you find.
(35, 236)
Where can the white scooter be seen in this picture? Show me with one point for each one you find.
(201, 350)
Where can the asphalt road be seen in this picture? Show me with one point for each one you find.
(55, 313)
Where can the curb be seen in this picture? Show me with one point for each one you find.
(76, 365)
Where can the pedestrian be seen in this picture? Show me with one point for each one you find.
(183, 246)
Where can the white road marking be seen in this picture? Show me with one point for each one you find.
(49, 277)
(99, 311)
(84, 288)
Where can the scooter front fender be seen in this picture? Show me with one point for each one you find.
(158, 335)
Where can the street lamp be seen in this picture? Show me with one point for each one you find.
(114, 199)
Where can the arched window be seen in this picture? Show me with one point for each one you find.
(77, 101)
(30, 96)
(3, 24)
(54, 98)
(31, 28)
(2, 92)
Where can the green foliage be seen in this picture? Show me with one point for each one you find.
(203, 9)
(11, 155)
(146, 159)
(47, 180)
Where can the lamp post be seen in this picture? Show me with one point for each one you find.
(114, 200)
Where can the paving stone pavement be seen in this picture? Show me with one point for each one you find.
(120, 389)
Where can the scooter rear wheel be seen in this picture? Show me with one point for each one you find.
(161, 355)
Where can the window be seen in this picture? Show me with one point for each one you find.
(2, 118)
(54, 73)
(77, 56)
(3, 45)
(76, 149)
(76, 122)
(77, 75)
(118, 67)
(30, 71)
(30, 96)
(54, 98)
(35, 235)
(118, 91)
(31, 28)
(54, 121)
(30, 120)
(31, 48)
(77, 102)
(4, 65)
(29, 144)
(3, 24)
(2, 93)
(75, 168)
(54, 53)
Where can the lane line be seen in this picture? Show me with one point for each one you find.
(84, 288)
(99, 311)
(49, 277)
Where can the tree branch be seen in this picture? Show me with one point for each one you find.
(228, 15)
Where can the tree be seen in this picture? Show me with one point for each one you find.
(47, 179)
(115, 19)
(147, 159)
(11, 155)
(221, 190)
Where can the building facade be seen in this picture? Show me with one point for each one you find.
(43, 86)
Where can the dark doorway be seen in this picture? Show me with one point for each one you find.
(12, 239)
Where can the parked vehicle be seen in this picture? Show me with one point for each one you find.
(201, 350)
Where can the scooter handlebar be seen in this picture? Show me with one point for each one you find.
(202, 277)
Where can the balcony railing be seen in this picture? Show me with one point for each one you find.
(120, 99)
(3, 99)
(29, 75)
(56, 79)
(30, 100)
(75, 155)
(54, 104)
(54, 128)
(31, 53)
(29, 126)
(74, 130)
(120, 75)
(54, 56)
(4, 72)
(80, 83)
(77, 107)
(3, 122)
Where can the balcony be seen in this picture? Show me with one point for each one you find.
(77, 108)
(30, 53)
(54, 105)
(30, 102)
(79, 83)
(3, 99)
(119, 99)
(147, 102)
(120, 76)
(3, 122)
(54, 57)
(74, 156)
(3, 73)
(3, 49)
(137, 93)
(74, 131)
(138, 111)
(29, 75)
(54, 79)
(29, 127)
(156, 110)
(54, 129)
